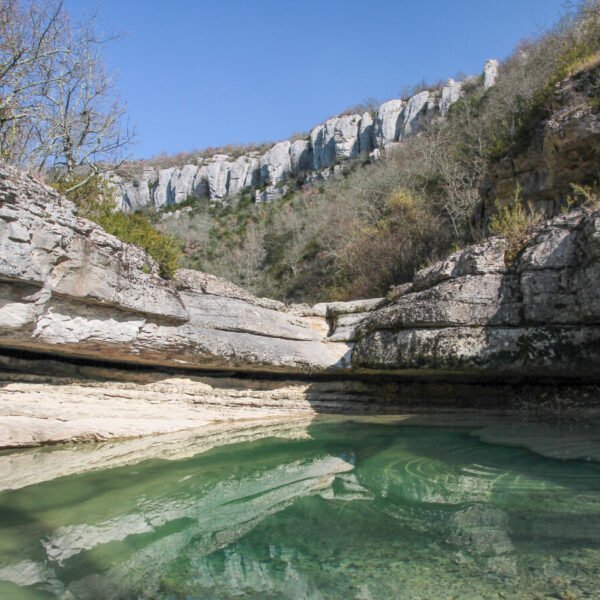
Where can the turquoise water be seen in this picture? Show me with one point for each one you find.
(334, 509)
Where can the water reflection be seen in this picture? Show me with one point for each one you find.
(300, 510)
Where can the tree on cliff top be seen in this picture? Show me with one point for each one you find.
(58, 109)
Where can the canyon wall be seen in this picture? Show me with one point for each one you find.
(67, 288)
(558, 148)
(325, 150)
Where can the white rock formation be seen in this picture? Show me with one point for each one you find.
(163, 195)
(387, 123)
(413, 113)
(183, 183)
(239, 174)
(136, 193)
(451, 92)
(490, 73)
(217, 175)
(335, 141)
(301, 156)
(365, 134)
(345, 136)
(276, 164)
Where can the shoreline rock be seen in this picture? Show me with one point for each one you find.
(469, 331)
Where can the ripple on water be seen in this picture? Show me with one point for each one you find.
(349, 510)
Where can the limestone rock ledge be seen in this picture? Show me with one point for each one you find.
(69, 289)
(472, 314)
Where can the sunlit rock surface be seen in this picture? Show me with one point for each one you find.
(474, 313)
(69, 287)
(329, 145)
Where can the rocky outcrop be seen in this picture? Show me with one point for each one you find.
(67, 287)
(79, 310)
(70, 289)
(490, 73)
(561, 147)
(334, 142)
(451, 93)
(471, 314)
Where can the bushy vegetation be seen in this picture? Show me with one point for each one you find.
(95, 201)
(374, 226)
(59, 110)
(513, 222)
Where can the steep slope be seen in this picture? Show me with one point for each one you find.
(560, 147)
(267, 175)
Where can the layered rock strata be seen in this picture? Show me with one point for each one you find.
(472, 314)
(560, 147)
(68, 288)
(70, 293)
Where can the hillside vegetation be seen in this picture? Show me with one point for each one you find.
(371, 228)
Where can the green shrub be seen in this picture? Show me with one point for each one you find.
(95, 201)
(513, 223)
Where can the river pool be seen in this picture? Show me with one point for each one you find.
(411, 508)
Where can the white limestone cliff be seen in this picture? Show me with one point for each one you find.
(330, 144)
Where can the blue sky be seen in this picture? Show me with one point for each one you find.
(198, 73)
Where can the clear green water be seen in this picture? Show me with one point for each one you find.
(328, 510)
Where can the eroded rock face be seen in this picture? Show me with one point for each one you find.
(451, 93)
(73, 289)
(472, 314)
(339, 139)
(387, 123)
(490, 73)
(70, 288)
(276, 164)
(412, 115)
(564, 148)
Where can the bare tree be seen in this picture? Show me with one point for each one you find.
(58, 108)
